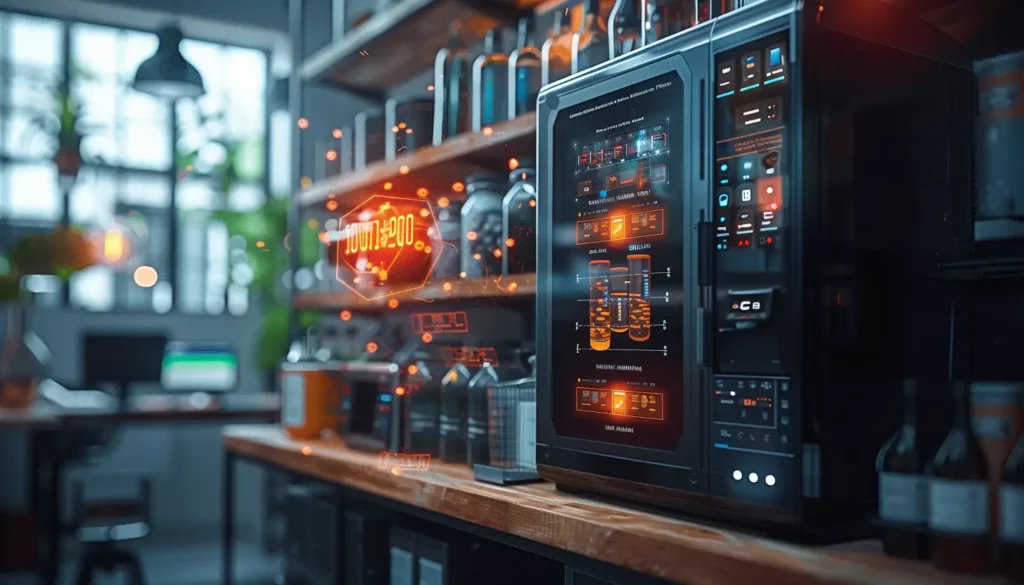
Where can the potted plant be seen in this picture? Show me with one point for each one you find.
(24, 358)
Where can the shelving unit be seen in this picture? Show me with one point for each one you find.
(432, 167)
(517, 286)
(399, 43)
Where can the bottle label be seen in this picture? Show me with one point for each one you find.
(293, 409)
(959, 507)
(1011, 513)
(902, 498)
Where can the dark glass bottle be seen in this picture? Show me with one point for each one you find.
(556, 53)
(490, 83)
(958, 503)
(479, 446)
(902, 487)
(590, 43)
(524, 72)
(627, 28)
(1011, 513)
(454, 412)
(451, 87)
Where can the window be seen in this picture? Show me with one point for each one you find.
(148, 170)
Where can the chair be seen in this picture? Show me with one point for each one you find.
(100, 525)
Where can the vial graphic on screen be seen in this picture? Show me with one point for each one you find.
(619, 276)
(639, 296)
(600, 314)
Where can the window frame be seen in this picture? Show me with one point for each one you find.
(171, 174)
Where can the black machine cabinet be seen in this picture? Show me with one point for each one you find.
(734, 224)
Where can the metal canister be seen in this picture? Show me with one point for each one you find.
(409, 122)
(369, 137)
(1000, 142)
(997, 416)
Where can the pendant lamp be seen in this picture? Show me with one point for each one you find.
(167, 74)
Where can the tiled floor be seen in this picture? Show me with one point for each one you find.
(195, 563)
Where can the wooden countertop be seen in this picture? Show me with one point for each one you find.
(664, 547)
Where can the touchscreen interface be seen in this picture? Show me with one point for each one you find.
(617, 307)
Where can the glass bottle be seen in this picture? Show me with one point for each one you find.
(479, 446)
(454, 412)
(556, 53)
(1011, 511)
(627, 28)
(902, 487)
(524, 72)
(451, 87)
(490, 83)
(590, 42)
(958, 502)
(519, 221)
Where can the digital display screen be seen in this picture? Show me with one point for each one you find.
(616, 321)
(199, 367)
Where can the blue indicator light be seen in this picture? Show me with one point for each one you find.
(385, 398)
(750, 58)
(724, 167)
(775, 57)
(604, 193)
(723, 200)
(721, 445)
(776, 80)
(755, 86)
(721, 220)
(726, 94)
(724, 181)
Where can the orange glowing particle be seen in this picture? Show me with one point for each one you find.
(393, 303)
(371, 347)
(312, 223)
(382, 275)
(396, 471)
(422, 192)
(512, 286)
(303, 123)
(419, 245)
(394, 129)
(346, 315)
(428, 249)
(307, 450)
(424, 213)
(387, 186)
(477, 256)
(471, 235)
(115, 246)
(412, 369)
(488, 131)
(337, 133)
(404, 169)
(497, 252)
(427, 338)
(399, 391)
(513, 164)
(458, 186)
(374, 269)
(331, 155)
(430, 88)
(510, 242)
(462, 275)
(447, 286)
(443, 202)
(145, 276)
(332, 205)
(533, 203)
(261, 244)
(408, 130)
(402, 125)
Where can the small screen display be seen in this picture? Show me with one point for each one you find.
(617, 265)
(199, 367)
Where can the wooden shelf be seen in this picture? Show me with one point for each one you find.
(435, 168)
(675, 550)
(400, 42)
(455, 289)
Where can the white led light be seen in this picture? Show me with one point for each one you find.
(769, 479)
(752, 477)
(737, 475)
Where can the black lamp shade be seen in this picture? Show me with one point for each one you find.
(167, 74)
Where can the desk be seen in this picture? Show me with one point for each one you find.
(618, 543)
(45, 422)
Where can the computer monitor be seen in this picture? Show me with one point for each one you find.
(199, 367)
(121, 359)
